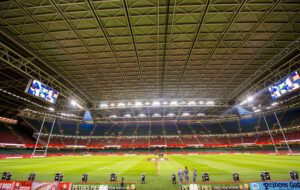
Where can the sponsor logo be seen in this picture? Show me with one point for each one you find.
(254, 186)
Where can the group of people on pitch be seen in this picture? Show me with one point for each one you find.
(183, 175)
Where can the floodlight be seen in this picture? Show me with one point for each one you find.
(257, 110)
(205, 177)
(103, 105)
(6, 176)
(127, 115)
(165, 103)
(186, 114)
(143, 179)
(265, 176)
(174, 103)
(113, 116)
(294, 175)
(201, 102)
(156, 103)
(156, 115)
(142, 115)
(73, 103)
(51, 109)
(84, 177)
(31, 177)
(171, 115)
(121, 104)
(147, 103)
(191, 103)
(112, 105)
(138, 104)
(58, 177)
(274, 104)
(210, 103)
(200, 114)
(173, 177)
(235, 177)
(250, 99)
(113, 177)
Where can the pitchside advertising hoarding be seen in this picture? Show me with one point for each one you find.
(275, 185)
(227, 186)
(28, 185)
(112, 186)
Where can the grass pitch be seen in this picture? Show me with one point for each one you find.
(219, 167)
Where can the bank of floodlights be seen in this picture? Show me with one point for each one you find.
(265, 176)
(294, 175)
(113, 177)
(84, 177)
(58, 177)
(143, 179)
(31, 177)
(205, 177)
(235, 177)
(6, 176)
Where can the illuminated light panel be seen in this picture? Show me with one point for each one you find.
(121, 104)
(73, 103)
(138, 104)
(156, 103)
(127, 115)
(191, 103)
(156, 115)
(250, 99)
(103, 105)
(186, 114)
(174, 103)
(171, 115)
(51, 109)
(210, 103)
(142, 115)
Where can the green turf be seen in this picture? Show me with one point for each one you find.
(219, 167)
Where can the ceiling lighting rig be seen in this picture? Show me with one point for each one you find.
(157, 104)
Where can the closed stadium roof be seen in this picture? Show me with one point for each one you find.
(148, 49)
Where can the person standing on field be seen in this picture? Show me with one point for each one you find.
(186, 174)
(194, 176)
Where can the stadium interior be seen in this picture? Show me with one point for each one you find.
(149, 78)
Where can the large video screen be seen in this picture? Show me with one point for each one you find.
(36, 88)
(285, 85)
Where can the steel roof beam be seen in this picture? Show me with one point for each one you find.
(101, 27)
(134, 44)
(18, 62)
